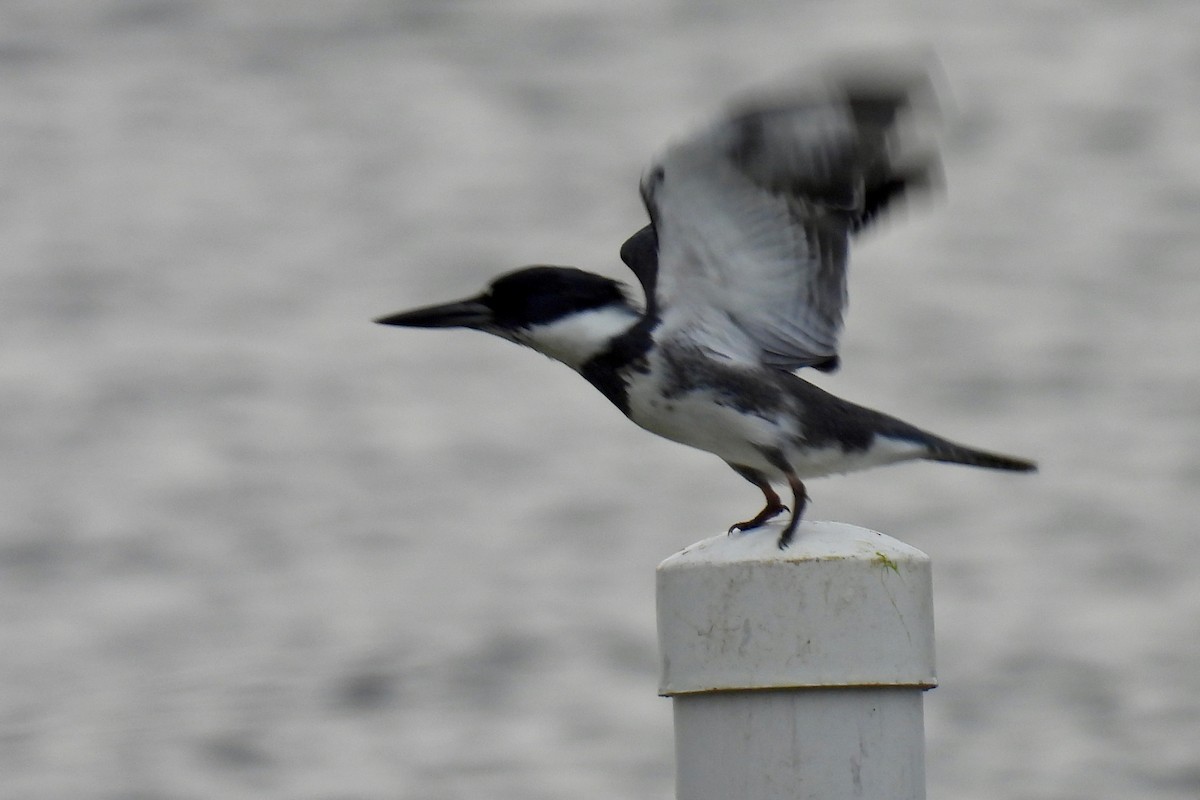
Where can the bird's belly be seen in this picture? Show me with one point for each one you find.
(698, 420)
(816, 462)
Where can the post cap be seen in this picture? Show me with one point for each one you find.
(842, 606)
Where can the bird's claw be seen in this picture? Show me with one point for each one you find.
(762, 518)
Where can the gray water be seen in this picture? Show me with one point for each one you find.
(255, 546)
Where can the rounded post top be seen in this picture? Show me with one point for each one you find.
(814, 541)
(842, 606)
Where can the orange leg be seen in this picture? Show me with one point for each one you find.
(772, 509)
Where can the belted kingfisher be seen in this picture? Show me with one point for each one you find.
(743, 270)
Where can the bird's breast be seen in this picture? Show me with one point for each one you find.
(690, 408)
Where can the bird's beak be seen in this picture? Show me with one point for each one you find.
(472, 313)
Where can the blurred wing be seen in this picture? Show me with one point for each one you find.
(753, 218)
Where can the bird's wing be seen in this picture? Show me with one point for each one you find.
(753, 218)
(640, 254)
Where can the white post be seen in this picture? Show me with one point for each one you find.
(797, 673)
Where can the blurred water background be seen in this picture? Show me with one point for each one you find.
(254, 546)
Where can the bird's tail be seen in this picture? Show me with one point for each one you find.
(951, 453)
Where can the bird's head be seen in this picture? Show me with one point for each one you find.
(565, 313)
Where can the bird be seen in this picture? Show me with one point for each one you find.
(743, 276)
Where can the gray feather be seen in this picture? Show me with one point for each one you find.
(754, 215)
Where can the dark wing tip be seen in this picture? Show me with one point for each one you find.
(856, 138)
(896, 188)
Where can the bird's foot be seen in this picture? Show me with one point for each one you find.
(800, 499)
(768, 513)
(785, 538)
